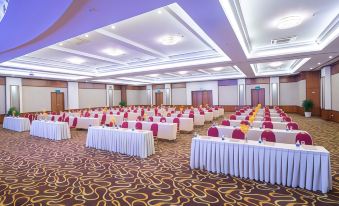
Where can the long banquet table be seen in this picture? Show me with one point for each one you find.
(85, 122)
(135, 143)
(260, 118)
(258, 124)
(50, 130)
(165, 130)
(185, 124)
(305, 167)
(281, 136)
(18, 124)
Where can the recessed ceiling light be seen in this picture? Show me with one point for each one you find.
(330, 57)
(60, 44)
(170, 39)
(159, 11)
(318, 63)
(289, 22)
(311, 68)
(153, 75)
(76, 60)
(86, 35)
(275, 64)
(217, 69)
(183, 72)
(112, 27)
(113, 52)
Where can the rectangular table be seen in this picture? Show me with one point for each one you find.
(260, 118)
(18, 124)
(198, 118)
(186, 124)
(165, 130)
(50, 130)
(135, 143)
(306, 167)
(258, 124)
(281, 136)
(85, 122)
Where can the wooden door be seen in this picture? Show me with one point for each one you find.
(258, 97)
(207, 98)
(202, 98)
(57, 101)
(159, 98)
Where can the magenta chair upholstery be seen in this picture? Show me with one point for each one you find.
(168, 114)
(245, 122)
(124, 125)
(287, 119)
(241, 111)
(202, 112)
(110, 112)
(66, 119)
(53, 118)
(292, 126)
(138, 125)
(213, 132)
(247, 118)
(176, 120)
(238, 134)
(233, 117)
(96, 116)
(267, 125)
(126, 115)
(303, 136)
(225, 123)
(268, 135)
(191, 115)
(237, 113)
(154, 129)
(179, 115)
(267, 119)
(142, 112)
(282, 115)
(139, 118)
(162, 119)
(118, 113)
(75, 122)
(210, 110)
(103, 119)
(60, 119)
(251, 113)
(150, 119)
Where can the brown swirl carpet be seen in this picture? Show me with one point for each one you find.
(36, 171)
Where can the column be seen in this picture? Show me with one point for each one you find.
(73, 95)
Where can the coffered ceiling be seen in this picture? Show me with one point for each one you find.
(167, 42)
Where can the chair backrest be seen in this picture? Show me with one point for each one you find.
(305, 137)
(96, 115)
(191, 115)
(139, 118)
(282, 115)
(287, 119)
(118, 113)
(241, 111)
(233, 117)
(210, 110)
(53, 118)
(66, 119)
(268, 135)
(247, 118)
(110, 124)
(126, 115)
(179, 115)
(154, 129)
(225, 122)
(168, 114)
(176, 120)
(268, 125)
(202, 112)
(124, 125)
(110, 112)
(292, 126)
(142, 112)
(213, 132)
(150, 119)
(267, 119)
(238, 134)
(60, 119)
(237, 113)
(245, 122)
(103, 119)
(251, 113)
(162, 119)
(138, 125)
(75, 122)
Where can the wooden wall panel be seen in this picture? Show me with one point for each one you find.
(2, 80)
(83, 85)
(43, 83)
(228, 82)
(158, 86)
(335, 68)
(178, 85)
(124, 93)
(117, 87)
(313, 90)
(136, 87)
(263, 80)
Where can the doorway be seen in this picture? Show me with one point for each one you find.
(258, 97)
(159, 98)
(202, 98)
(57, 102)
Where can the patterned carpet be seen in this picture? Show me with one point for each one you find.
(36, 171)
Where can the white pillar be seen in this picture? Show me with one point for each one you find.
(274, 91)
(13, 82)
(73, 95)
(109, 87)
(168, 92)
(326, 88)
(241, 92)
(149, 90)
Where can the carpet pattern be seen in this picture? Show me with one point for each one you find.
(36, 171)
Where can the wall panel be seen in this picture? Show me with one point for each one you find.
(179, 96)
(228, 95)
(92, 98)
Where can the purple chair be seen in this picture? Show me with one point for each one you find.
(268, 135)
(138, 125)
(226, 123)
(124, 125)
(292, 126)
(238, 134)
(304, 137)
(213, 132)
(267, 125)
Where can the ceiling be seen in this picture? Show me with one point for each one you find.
(167, 41)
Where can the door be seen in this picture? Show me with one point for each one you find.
(258, 97)
(207, 97)
(202, 98)
(159, 98)
(57, 101)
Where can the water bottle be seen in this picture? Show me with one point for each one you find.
(297, 144)
(260, 141)
(223, 137)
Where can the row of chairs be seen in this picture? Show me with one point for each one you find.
(268, 135)
(265, 124)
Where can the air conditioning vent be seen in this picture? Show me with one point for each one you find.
(284, 40)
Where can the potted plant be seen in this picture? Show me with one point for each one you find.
(13, 112)
(123, 103)
(308, 105)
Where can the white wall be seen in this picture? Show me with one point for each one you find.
(252, 86)
(117, 97)
(179, 96)
(73, 95)
(3, 99)
(136, 97)
(228, 95)
(302, 91)
(335, 92)
(142, 97)
(13, 81)
(197, 86)
(92, 98)
(36, 99)
(289, 93)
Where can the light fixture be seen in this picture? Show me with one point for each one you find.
(76, 60)
(217, 69)
(330, 57)
(311, 68)
(153, 75)
(275, 64)
(183, 72)
(60, 44)
(169, 40)
(113, 52)
(86, 35)
(159, 11)
(289, 22)
(112, 27)
(318, 63)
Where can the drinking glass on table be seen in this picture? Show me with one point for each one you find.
(302, 143)
(264, 140)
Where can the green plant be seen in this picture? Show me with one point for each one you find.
(12, 111)
(308, 105)
(123, 103)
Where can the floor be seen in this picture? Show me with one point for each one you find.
(35, 171)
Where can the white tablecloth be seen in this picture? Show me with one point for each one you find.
(85, 122)
(305, 167)
(186, 124)
(50, 130)
(281, 136)
(258, 124)
(260, 118)
(198, 118)
(165, 130)
(18, 124)
(135, 143)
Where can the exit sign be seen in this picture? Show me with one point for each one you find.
(257, 87)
